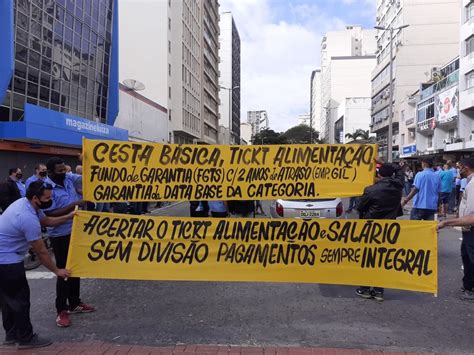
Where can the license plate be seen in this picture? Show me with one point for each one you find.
(309, 214)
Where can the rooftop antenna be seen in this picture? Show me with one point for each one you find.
(133, 84)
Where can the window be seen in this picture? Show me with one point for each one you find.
(402, 116)
(169, 92)
(169, 69)
(470, 45)
(430, 141)
(469, 11)
(169, 23)
(470, 80)
(169, 46)
(403, 139)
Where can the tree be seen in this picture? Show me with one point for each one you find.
(301, 134)
(358, 135)
(268, 136)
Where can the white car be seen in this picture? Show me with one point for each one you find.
(307, 209)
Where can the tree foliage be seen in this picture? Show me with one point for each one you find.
(359, 135)
(301, 134)
(268, 136)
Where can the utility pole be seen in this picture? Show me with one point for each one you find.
(390, 105)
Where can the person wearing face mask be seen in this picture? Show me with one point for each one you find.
(40, 174)
(12, 188)
(20, 229)
(65, 200)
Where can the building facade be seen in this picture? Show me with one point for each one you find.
(429, 42)
(341, 53)
(304, 119)
(144, 119)
(178, 65)
(466, 79)
(229, 67)
(58, 75)
(245, 133)
(352, 114)
(315, 100)
(258, 120)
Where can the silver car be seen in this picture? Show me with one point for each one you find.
(307, 209)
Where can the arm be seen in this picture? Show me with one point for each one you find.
(56, 221)
(363, 203)
(64, 210)
(461, 222)
(40, 250)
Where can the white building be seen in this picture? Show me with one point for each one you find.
(430, 41)
(315, 100)
(304, 119)
(145, 120)
(258, 120)
(466, 80)
(246, 132)
(352, 114)
(347, 60)
(229, 67)
(172, 47)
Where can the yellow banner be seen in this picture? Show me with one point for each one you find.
(385, 253)
(128, 171)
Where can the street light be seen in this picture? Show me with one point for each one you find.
(230, 106)
(390, 107)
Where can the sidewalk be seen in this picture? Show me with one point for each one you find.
(101, 348)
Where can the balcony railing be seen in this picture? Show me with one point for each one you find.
(451, 79)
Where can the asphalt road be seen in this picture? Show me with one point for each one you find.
(168, 313)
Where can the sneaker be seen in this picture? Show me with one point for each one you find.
(63, 320)
(467, 296)
(377, 295)
(82, 308)
(34, 342)
(364, 293)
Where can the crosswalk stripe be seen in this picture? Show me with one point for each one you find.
(39, 275)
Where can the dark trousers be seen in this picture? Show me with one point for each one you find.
(467, 255)
(15, 302)
(67, 292)
(219, 214)
(421, 214)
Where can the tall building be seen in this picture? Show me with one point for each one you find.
(209, 68)
(229, 67)
(429, 42)
(58, 77)
(304, 119)
(466, 78)
(315, 100)
(258, 120)
(177, 60)
(347, 60)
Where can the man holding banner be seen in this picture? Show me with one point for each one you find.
(382, 201)
(466, 220)
(19, 227)
(65, 200)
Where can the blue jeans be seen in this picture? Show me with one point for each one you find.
(421, 214)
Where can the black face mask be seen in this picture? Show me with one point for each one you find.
(42, 173)
(19, 176)
(45, 205)
(58, 178)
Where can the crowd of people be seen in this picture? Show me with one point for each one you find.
(48, 199)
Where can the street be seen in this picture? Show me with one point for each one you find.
(265, 314)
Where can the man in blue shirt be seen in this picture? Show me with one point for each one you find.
(426, 189)
(40, 174)
(19, 228)
(447, 182)
(65, 200)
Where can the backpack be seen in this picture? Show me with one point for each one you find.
(241, 207)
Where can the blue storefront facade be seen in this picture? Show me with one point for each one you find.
(58, 75)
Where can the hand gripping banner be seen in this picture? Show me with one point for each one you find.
(134, 172)
(386, 253)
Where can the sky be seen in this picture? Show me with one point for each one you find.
(280, 47)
